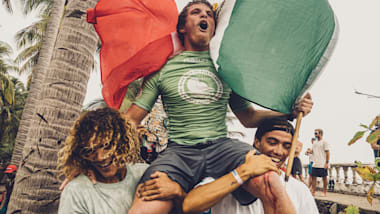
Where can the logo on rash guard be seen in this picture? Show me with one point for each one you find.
(200, 87)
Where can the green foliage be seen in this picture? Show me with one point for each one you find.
(351, 210)
(10, 115)
(368, 173)
(356, 137)
(372, 137)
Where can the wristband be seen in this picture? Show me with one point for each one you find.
(237, 177)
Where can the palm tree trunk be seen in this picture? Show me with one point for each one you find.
(65, 85)
(38, 76)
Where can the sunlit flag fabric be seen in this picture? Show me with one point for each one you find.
(136, 38)
(270, 52)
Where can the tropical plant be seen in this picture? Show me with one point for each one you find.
(12, 100)
(10, 116)
(351, 209)
(59, 104)
(29, 40)
(374, 134)
(368, 173)
(37, 79)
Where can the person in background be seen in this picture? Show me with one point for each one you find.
(309, 153)
(297, 164)
(376, 146)
(321, 158)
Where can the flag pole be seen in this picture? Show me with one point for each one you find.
(293, 147)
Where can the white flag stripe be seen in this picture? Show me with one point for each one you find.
(222, 23)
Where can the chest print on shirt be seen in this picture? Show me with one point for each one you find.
(200, 87)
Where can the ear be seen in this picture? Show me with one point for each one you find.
(257, 143)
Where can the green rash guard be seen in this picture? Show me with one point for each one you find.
(194, 98)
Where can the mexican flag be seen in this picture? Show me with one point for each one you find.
(271, 51)
(138, 36)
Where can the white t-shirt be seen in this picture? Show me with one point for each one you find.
(81, 196)
(319, 153)
(298, 193)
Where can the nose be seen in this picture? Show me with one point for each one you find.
(100, 156)
(203, 14)
(279, 150)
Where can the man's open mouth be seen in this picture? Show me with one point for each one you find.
(203, 25)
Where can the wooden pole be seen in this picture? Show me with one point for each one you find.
(293, 147)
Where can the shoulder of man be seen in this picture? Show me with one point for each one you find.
(137, 169)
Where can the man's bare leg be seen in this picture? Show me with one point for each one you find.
(269, 189)
(313, 184)
(140, 206)
(324, 186)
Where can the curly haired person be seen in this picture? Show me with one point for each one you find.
(104, 142)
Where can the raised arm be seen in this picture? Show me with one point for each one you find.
(205, 196)
(251, 117)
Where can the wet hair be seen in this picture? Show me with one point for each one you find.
(102, 128)
(320, 131)
(272, 124)
(182, 17)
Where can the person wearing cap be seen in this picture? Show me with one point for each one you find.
(10, 171)
(273, 138)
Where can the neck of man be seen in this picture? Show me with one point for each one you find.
(119, 176)
(189, 46)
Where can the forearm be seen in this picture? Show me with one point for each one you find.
(136, 114)
(327, 156)
(206, 196)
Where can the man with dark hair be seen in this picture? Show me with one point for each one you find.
(321, 158)
(273, 138)
(106, 143)
(196, 100)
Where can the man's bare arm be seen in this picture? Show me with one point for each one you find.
(251, 117)
(327, 159)
(206, 196)
(136, 114)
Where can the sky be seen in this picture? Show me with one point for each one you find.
(354, 65)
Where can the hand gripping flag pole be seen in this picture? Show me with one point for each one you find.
(293, 147)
